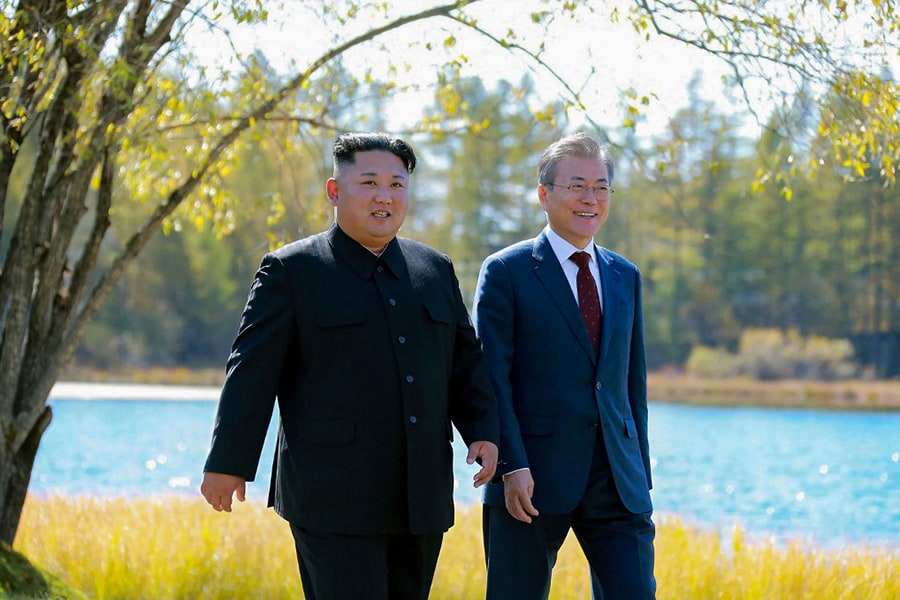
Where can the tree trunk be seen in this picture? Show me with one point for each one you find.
(15, 475)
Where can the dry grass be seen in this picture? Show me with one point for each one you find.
(179, 548)
(842, 395)
(154, 375)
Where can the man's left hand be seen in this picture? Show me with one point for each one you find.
(486, 454)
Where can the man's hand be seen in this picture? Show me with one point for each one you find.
(218, 489)
(487, 453)
(518, 487)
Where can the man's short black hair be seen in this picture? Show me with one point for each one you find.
(348, 144)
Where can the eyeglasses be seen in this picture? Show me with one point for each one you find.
(579, 190)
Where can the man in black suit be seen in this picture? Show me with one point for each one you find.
(561, 321)
(364, 340)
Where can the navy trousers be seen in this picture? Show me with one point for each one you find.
(618, 545)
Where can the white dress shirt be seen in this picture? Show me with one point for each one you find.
(563, 250)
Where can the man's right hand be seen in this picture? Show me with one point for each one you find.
(518, 487)
(219, 488)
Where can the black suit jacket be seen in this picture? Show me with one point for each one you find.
(371, 360)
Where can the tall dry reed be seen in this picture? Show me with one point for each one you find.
(176, 548)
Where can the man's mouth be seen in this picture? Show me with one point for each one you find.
(381, 214)
(586, 214)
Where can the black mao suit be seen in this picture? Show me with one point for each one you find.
(370, 359)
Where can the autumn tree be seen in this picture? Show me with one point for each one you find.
(488, 176)
(111, 130)
(775, 52)
(97, 129)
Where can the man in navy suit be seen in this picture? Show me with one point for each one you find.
(363, 339)
(573, 410)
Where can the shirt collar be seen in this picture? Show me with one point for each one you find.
(563, 249)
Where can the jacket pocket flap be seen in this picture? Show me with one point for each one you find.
(630, 428)
(439, 311)
(339, 318)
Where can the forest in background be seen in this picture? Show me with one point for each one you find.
(721, 253)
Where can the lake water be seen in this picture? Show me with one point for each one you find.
(828, 478)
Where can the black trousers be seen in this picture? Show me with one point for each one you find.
(618, 545)
(372, 567)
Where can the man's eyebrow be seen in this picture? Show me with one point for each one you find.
(374, 174)
(579, 178)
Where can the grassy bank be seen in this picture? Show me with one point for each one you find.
(794, 393)
(153, 375)
(21, 580)
(179, 548)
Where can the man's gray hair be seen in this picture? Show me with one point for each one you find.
(578, 144)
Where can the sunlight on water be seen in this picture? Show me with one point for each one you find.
(180, 482)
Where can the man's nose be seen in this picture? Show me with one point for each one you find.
(383, 194)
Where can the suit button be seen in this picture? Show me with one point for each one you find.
(413, 420)
(401, 339)
(409, 379)
(380, 269)
(392, 302)
(598, 385)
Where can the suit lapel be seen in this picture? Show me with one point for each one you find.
(610, 283)
(550, 274)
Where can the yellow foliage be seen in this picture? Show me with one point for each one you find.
(174, 548)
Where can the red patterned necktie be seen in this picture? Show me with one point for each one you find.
(588, 298)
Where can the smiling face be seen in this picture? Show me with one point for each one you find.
(576, 217)
(370, 197)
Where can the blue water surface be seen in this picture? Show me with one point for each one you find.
(827, 478)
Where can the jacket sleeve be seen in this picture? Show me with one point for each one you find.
(494, 322)
(637, 377)
(252, 374)
(473, 408)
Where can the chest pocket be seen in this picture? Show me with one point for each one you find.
(439, 332)
(333, 309)
(338, 317)
(334, 327)
(438, 311)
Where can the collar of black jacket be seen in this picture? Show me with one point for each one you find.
(361, 260)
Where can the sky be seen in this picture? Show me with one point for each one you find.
(600, 58)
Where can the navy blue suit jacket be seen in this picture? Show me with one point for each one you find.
(553, 393)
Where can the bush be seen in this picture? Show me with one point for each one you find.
(713, 363)
(769, 354)
(825, 358)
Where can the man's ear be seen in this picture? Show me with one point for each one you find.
(542, 193)
(331, 189)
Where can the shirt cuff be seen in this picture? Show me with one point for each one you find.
(505, 475)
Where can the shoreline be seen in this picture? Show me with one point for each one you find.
(668, 388)
(75, 390)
